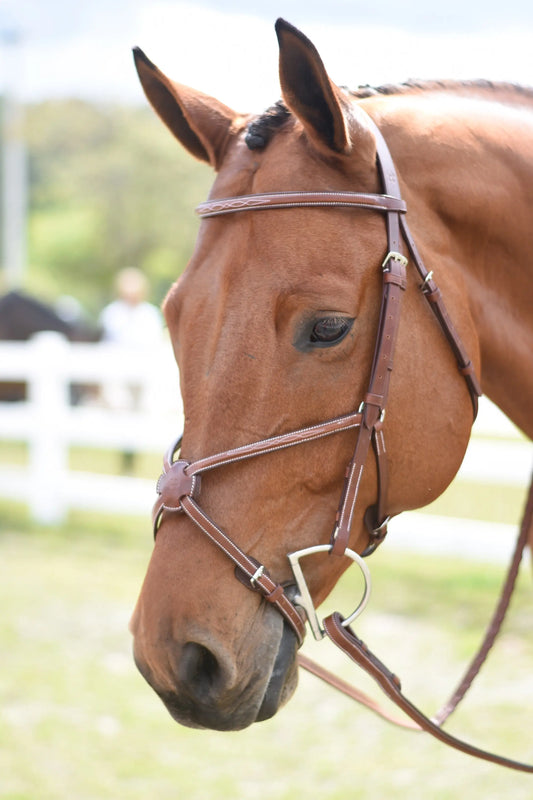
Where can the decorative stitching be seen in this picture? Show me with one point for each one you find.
(228, 205)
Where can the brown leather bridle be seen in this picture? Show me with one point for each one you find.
(179, 485)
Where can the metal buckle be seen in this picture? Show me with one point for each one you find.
(381, 413)
(397, 257)
(377, 535)
(303, 598)
(257, 575)
(380, 528)
(426, 280)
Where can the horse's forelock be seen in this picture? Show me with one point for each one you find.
(261, 129)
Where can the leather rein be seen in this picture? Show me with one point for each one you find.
(179, 485)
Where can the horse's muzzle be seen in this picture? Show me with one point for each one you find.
(203, 687)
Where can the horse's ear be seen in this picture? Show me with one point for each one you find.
(312, 96)
(201, 123)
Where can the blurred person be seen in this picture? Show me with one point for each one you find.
(130, 321)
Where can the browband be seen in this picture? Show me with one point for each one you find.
(251, 202)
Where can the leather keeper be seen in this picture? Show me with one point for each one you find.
(374, 400)
(433, 296)
(397, 280)
(274, 595)
(468, 369)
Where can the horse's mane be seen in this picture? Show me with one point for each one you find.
(458, 87)
(261, 129)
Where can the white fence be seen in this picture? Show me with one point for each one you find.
(498, 455)
(50, 424)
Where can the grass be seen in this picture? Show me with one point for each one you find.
(76, 719)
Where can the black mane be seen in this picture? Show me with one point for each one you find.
(456, 86)
(260, 130)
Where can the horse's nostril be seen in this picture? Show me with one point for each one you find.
(199, 669)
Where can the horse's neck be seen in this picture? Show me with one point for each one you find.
(499, 278)
(473, 189)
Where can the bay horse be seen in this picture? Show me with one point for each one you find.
(274, 325)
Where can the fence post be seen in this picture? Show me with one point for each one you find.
(49, 395)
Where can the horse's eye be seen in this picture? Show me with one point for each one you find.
(330, 330)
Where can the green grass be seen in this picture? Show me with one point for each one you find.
(77, 721)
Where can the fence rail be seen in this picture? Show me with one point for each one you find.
(51, 424)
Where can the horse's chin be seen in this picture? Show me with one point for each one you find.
(283, 678)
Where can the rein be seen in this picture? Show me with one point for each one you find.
(179, 485)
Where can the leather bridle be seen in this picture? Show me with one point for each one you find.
(179, 485)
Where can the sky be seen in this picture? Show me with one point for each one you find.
(228, 48)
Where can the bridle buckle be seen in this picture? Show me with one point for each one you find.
(392, 254)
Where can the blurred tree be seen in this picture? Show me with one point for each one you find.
(109, 187)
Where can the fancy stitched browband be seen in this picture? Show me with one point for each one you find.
(178, 487)
(250, 202)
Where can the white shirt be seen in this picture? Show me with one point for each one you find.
(134, 325)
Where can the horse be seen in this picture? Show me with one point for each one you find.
(22, 316)
(298, 269)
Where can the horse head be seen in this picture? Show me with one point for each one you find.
(273, 326)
